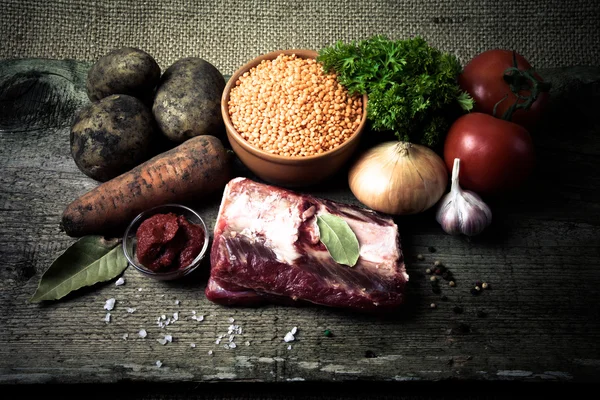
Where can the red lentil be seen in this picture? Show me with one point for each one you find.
(289, 106)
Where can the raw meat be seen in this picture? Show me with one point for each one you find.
(266, 248)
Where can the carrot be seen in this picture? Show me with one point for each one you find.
(196, 168)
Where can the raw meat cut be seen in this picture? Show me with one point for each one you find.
(266, 248)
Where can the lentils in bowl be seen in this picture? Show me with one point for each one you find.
(289, 121)
(290, 107)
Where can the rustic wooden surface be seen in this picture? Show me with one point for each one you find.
(541, 257)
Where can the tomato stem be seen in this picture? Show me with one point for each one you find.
(521, 80)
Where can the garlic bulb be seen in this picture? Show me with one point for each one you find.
(462, 211)
(398, 178)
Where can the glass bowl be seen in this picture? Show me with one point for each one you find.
(130, 241)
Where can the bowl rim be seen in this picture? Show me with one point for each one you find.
(303, 53)
(180, 272)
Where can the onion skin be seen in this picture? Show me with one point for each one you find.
(398, 178)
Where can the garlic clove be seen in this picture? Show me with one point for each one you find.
(448, 216)
(462, 211)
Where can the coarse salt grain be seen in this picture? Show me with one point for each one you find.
(247, 343)
(125, 336)
(176, 302)
(231, 320)
(139, 289)
(107, 317)
(289, 337)
(294, 330)
(130, 310)
(120, 282)
(232, 345)
(290, 347)
(210, 352)
(110, 304)
(235, 329)
(165, 340)
(192, 345)
(142, 333)
(159, 364)
(175, 316)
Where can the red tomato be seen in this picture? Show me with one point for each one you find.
(483, 79)
(495, 155)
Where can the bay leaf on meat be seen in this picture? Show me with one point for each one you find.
(338, 237)
(90, 260)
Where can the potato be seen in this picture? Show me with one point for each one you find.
(111, 136)
(188, 100)
(127, 71)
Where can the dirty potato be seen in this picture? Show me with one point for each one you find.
(127, 71)
(188, 100)
(111, 136)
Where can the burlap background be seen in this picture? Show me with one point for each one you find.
(227, 33)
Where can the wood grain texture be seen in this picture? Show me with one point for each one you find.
(540, 256)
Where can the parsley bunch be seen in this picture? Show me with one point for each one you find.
(412, 87)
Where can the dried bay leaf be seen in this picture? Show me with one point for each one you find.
(90, 260)
(338, 237)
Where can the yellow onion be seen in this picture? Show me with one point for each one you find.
(398, 178)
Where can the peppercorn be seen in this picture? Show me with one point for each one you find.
(420, 257)
(447, 276)
(481, 314)
(432, 305)
(436, 290)
(433, 279)
(457, 310)
(459, 328)
(328, 333)
(474, 292)
(370, 354)
(478, 283)
(428, 271)
(464, 328)
(484, 285)
(437, 263)
(431, 249)
(452, 284)
(444, 298)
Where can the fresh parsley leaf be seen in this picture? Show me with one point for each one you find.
(411, 86)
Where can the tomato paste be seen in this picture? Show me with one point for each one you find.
(168, 242)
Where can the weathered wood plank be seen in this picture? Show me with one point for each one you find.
(540, 256)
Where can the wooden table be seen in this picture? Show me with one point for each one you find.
(538, 321)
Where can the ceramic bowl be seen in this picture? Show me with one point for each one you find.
(281, 170)
(130, 241)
